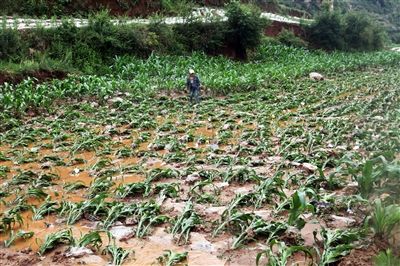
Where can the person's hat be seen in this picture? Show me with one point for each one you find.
(191, 71)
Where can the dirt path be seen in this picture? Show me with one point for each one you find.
(205, 15)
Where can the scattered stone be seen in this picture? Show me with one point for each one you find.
(191, 179)
(92, 260)
(215, 210)
(309, 167)
(116, 100)
(316, 76)
(78, 252)
(199, 242)
(122, 232)
(75, 171)
(264, 214)
(46, 165)
(169, 205)
(221, 185)
(131, 221)
(341, 222)
(214, 147)
(243, 190)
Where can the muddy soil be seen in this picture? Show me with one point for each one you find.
(40, 76)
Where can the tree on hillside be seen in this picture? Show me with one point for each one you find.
(245, 27)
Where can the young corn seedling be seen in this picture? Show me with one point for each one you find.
(298, 204)
(68, 187)
(171, 258)
(45, 209)
(383, 219)
(14, 236)
(148, 214)
(185, 223)
(386, 258)
(92, 239)
(336, 244)
(54, 239)
(118, 254)
(282, 255)
(118, 210)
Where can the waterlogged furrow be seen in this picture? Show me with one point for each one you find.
(243, 178)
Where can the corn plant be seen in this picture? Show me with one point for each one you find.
(118, 254)
(54, 239)
(282, 255)
(386, 258)
(92, 239)
(336, 244)
(185, 223)
(19, 235)
(383, 219)
(46, 208)
(171, 258)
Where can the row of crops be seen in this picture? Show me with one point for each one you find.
(294, 171)
(272, 65)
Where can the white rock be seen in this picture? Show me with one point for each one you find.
(116, 100)
(316, 76)
(309, 167)
(190, 179)
(214, 210)
(221, 185)
(340, 221)
(263, 214)
(120, 232)
(77, 252)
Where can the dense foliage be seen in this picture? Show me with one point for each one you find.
(351, 31)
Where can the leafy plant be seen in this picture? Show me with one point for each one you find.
(383, 219)
(281, 257)
(184, 223)
(171, 258)
(54, 239)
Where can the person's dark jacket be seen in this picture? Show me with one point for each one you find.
(193, 84)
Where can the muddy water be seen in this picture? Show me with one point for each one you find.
(201, 252)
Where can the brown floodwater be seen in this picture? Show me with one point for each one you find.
(146, 251)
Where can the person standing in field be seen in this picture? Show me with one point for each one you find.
(193, 86)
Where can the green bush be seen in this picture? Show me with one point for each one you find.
(10, 43)
(245, 27)
(361, 33)
(351, 32)
(327, 31)
(198, 36)
(288, 38)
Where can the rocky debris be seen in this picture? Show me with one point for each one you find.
(213, 147)
(78, 252)
(121, 232)
(309, 167)
(221, 185)
(199, 242)
(243, 190)
(76, 171)
(115, 100)
(341, 222)
(214, 210)
(169, 205)
(47, 165)
(192, 178)
(264, 214)
(316, 76)
(92, 260)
